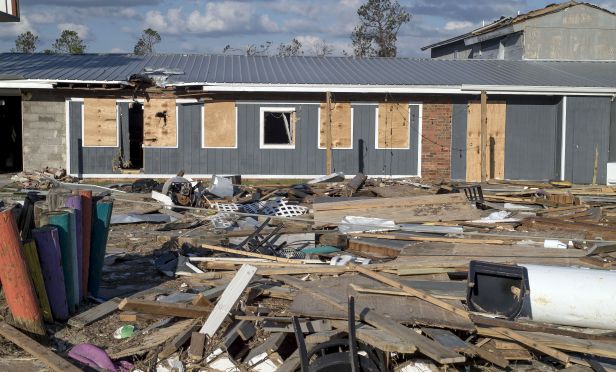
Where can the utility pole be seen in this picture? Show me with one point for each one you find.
(328, 135)
(484, 134)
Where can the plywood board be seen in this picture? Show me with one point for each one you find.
(159, 123)
(393, 126)
(100, 122)
(342, 126)
(220, 127)
(495, 144)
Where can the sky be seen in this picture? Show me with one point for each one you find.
(207, 26)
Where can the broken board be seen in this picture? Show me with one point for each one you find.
(495, 143)
(159, 123)
(341, 128)
(220, 127)
(100, 122)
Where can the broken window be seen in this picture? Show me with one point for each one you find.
(277, 128)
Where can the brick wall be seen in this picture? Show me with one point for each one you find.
(436, 141)
(44, 131)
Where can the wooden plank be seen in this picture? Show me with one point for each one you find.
(412, 291)
(426, 346)
(160, 308)
(220, 127)
(494, 144)
(197, 345)
(376, 337)
(159, 123)
(428, 238)
(93, 314)
(228, 299)
(180, 340)
(393, 125)
(403, 201)
(249, 254)
(341, 126)
(558, 355)
(361, 289)
(51, 360)
(329, 160)
(100, 124)
(151, 341)
(448, 339)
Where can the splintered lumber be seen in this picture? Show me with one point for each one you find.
(249, 254)
(375, 337)
(426, 346)
(604, 348)
(51, 360)
(448, 339)
(412, 291)
(446, 207)
(16, 283)
(228, 299)
(458, 255)
(403, 309)
(508, 354)
(428, 238)
(152, 340)
(179, 340)
(161, 308)
(531, 343)
(92, 315)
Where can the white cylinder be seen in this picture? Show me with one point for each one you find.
(573, 296)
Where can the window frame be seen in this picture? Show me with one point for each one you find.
(279, 109)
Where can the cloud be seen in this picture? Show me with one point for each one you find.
(458, 25)
(82, 30)
(10, 30)
(117, 50)
(474, 11)
(92, 3)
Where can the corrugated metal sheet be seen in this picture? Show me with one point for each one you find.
(233, 69)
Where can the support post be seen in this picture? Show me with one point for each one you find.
(595, 170)
(484, 134)
(328, 135)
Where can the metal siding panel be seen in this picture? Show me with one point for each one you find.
(531, 143)
(123, 108)
(458, 139)
(588, 120)
(76, 152)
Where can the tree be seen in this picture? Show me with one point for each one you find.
(25, 43)
(294, 48)
(250, 50)
(145, 44)
(69, 42)
(377, 32)
(322, 49)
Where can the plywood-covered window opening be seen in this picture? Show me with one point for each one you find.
(100, 123)
(393, 126)
(341, 126)
(160, 127)
(219, 125)
(278, 127)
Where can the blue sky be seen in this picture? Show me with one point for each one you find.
(200, 26)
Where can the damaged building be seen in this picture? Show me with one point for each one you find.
(114, 116)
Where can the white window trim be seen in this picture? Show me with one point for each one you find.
(203, 134)
(335, 148)
(262, 110)
(376, 129)
(83, 125)
(177, 128)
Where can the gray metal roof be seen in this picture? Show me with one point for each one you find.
(233, 69)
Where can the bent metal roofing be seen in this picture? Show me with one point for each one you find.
(264, 70)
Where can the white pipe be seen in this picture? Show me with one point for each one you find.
(573, 296)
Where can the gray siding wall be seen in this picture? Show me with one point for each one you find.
(248, 158)
(532, 147)
(588, 127)
(84, 160)
(612, 156)
(44, 131)
(578, 33)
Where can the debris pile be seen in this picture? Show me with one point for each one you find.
(359, 274)
(41, 180)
